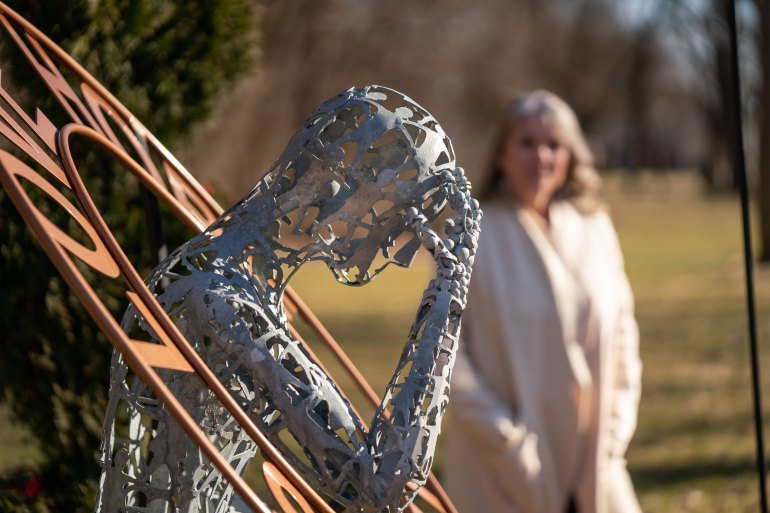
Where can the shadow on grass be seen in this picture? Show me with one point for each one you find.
(650, 478)
(695, 424)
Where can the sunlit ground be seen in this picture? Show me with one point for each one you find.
(694, 447)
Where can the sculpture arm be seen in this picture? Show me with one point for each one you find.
(418, 392)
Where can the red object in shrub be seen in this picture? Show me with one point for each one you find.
(32, 486)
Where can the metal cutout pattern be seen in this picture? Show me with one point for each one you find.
(367, 167)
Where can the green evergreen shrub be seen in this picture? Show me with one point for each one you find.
(167, 61)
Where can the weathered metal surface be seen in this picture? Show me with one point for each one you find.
(366, 168)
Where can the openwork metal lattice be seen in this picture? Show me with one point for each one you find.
(367, 167)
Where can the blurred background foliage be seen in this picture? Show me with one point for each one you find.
(168, 62)
(646, 78)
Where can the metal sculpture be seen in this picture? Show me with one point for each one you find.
(367, 167)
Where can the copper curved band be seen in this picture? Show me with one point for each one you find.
(280, 487)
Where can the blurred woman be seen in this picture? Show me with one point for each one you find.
(546, 388)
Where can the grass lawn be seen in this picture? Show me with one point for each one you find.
(694, 447)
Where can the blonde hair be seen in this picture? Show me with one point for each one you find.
(583, 181)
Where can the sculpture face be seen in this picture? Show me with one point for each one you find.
(351, 172)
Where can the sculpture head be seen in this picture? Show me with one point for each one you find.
(348, 176)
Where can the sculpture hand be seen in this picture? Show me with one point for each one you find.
(455, 252)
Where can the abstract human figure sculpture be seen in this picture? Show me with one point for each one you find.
(367, 167)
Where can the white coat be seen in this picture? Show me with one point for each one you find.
(546, 387)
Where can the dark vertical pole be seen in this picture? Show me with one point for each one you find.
(739, 163)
